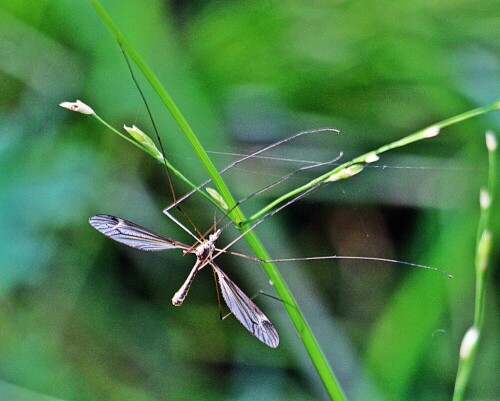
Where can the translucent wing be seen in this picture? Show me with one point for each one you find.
(246, 311)
(131, 234)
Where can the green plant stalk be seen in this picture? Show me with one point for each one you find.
(417, 136)
(468, 350)
(315, 353)
(158, 157)
(483, 242)
(123, 136)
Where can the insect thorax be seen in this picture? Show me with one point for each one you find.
(205, 249)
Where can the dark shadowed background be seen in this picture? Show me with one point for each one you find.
(84, 318)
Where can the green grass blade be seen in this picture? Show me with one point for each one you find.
(303, 329)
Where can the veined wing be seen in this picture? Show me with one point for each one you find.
(246, 311)
(131, 234)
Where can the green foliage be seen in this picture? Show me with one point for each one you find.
(84, 319)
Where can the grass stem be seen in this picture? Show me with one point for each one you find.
(468, 348)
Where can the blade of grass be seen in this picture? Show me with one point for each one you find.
(316, 354)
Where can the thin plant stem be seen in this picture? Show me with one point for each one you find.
(468, 348)
(313, 349)
(157, 156)
(366, 158)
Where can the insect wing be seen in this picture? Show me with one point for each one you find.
(131, 234)
(248, 314)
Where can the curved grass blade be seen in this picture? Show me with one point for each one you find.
(290, 304)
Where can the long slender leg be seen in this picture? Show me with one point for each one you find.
(218, 296)
(180, 295)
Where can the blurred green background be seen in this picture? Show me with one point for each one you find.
(84, 318)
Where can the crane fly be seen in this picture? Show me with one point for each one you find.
(135, 236)
(240, 305)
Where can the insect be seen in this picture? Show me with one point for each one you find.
(241, 306)
(135, 236)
